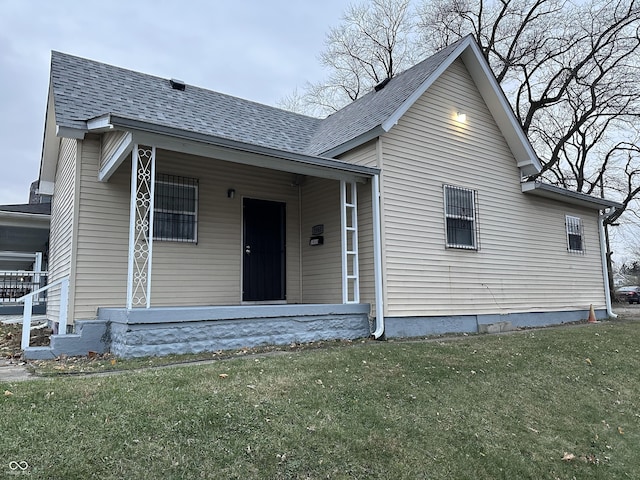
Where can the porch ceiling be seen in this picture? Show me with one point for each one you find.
(22, 233)
(207, 146)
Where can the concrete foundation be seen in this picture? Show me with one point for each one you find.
(162, 331)
(398, 327)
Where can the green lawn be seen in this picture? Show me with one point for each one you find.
(477, 407)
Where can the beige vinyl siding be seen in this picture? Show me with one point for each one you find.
(322, 265)
(110, 143)
(522, 263)
(365, 155)
(206, 273)
(209, 272)
(103, 235)
(62, 217)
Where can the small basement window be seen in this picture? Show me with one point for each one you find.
(175, 212)
(575, 234)
(460, 217)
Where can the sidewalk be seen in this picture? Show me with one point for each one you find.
(12, 319)
(13, 372)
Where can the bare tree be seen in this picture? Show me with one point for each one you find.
(375, 41)
(571, 71)
(570, 68)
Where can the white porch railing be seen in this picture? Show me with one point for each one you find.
(28, 305)
(15, 284)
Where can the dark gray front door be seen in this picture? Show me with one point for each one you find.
(264, 250)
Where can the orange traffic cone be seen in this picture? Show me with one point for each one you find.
(592, 315)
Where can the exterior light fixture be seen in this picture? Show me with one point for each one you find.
(231, 193)
(461, 117)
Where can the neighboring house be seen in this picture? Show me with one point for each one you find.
(24, 237)
(190, 220)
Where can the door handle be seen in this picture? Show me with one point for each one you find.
(247, 249)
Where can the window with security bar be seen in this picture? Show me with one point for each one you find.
(575, 235)
(460, 217)
(175, 212)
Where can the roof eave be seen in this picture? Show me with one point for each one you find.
(22, 219)
(469, 51)
(500, 109)
(553, 192)
(51, 144)
(123, 123)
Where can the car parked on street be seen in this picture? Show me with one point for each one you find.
(628, 294)
(633, 296)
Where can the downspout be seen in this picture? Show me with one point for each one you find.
(605, 270)
(377, 256)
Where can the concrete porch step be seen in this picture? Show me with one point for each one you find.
(39, 353)
(90, 336)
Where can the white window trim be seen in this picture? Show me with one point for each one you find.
(570, 221)
(194, 213)
(473, 218)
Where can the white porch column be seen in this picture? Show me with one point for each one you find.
(349, 224)
(37, 267)
(143, 172)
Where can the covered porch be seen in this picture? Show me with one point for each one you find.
(227, 246)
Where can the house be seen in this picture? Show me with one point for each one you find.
(24, 236)
(190, 220)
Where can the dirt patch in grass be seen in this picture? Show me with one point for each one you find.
(11, 337)
(99, 363)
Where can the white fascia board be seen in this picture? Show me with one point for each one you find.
(501, 110)
(249, 158)
(70, 132)
(111, 164)
(413, 98)
(100, 124)
(50, 144)
(563, 195)
(492, 94)
(45, 187)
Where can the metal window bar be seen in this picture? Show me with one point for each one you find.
(460, 217)
(176, 209)
(349, 221)
(575, 234)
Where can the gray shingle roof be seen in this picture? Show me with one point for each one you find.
(85, 89)
(372, 109)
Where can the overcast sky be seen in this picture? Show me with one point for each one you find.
(260, 50)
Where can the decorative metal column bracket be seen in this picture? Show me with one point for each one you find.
(143, 166)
